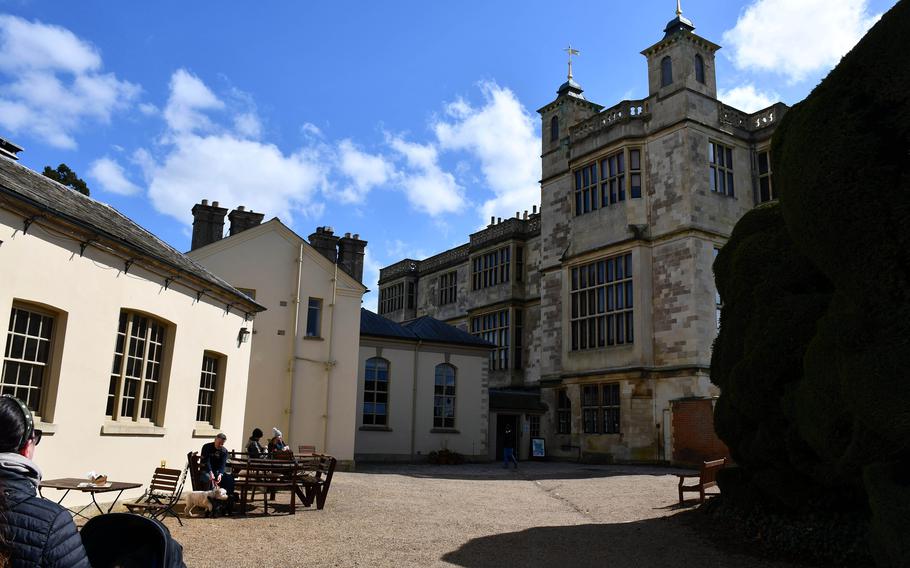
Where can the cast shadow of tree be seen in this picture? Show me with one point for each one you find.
(665, 542)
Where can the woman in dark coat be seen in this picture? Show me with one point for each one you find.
(35, 531)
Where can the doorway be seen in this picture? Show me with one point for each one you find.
(503, 420)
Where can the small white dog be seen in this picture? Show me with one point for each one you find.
(196, 499)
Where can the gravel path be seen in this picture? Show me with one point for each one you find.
(543, 514)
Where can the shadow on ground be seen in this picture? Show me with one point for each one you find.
(664, 542)
(527, 471)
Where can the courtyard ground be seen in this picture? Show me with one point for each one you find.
(475, 515)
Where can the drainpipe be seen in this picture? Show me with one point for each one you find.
(330, 363)
(414, 399)
(295, 344)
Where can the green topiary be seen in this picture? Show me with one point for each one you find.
(815, 339)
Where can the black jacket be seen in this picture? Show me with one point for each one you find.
(38, 532)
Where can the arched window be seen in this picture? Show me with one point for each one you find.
(376, 392)
(444, 397)
(554, 129)
(666, 71)
(699, 69)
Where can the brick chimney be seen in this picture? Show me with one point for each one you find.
(241, 219)
(350, 255)
(324, 241)
(208, 223)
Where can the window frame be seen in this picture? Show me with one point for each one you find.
(48, 368)
(609, 180)
(448, 288)
(699, 68)
(496, 327)
(563, 412)
(375, 394)
(721, 170)
(314, 330)
(217, 389)
(441, 398)
(491, 268)
(118, 377)
(391, 298)
(764, 176)
(666, 71)
(554, 129)
(601, 407)
(609, 316)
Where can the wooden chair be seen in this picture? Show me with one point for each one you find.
(162, 494)
(193, 467)
(316, 478)
(707, 478)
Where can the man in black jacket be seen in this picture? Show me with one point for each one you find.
(212, 465)
(36, 532)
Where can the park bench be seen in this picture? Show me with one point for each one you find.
(707, 478)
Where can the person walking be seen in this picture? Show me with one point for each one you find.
(508, 449)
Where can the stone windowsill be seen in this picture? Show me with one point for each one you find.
(445, 431)
(375, 429)
(47, 428)
(205, 431)
(132, 429)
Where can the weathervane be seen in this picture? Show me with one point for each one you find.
(571, 52)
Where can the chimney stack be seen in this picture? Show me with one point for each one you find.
(351, 251)
(208, 223)
(324, 241)
(533, 210)
(241, 219)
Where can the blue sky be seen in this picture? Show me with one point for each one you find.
(409, 123)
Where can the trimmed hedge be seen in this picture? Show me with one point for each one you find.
(814, 348)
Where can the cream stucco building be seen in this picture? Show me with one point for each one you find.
(422, 387)
(303, 370)
(127, 352)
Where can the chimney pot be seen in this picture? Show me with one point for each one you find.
(214, 204)
(526, 214)
(533, 210)
(205, 202)
(492, 220)
(498, 220)
(347, 235)
(240, 208)
(357, 236)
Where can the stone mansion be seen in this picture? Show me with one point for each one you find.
(602, 305)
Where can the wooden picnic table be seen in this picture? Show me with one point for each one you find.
(307, 477)
(67, 484)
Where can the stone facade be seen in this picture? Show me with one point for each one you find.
(685, 168)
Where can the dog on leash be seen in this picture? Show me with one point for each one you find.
(203, 499)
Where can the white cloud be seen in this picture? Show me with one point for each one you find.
(54, 83)
(365, 171)
(148, 109)
(189, 97)
(111, 177)
(309, 129)
(501, 134)
(203, 160)
(747, 98)
(371, 268)
(247, 124)
(797, 38)
(428, 188)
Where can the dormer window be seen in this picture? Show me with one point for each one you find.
(699, 69)
(666, 71)
(554, 129)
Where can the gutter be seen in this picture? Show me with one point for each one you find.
(292, 361)
(330, 363)
(414, 398)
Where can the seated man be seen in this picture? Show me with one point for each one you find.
(212, 463)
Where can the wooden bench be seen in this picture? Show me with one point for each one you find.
(707, 478)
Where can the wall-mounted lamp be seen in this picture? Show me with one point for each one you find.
(243, 336)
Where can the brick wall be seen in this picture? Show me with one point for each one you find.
(694, 439)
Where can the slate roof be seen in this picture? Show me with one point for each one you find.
(424, 329)
(56, 200)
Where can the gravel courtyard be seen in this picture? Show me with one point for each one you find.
(544, 514)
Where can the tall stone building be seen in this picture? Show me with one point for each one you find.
(603, 304)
